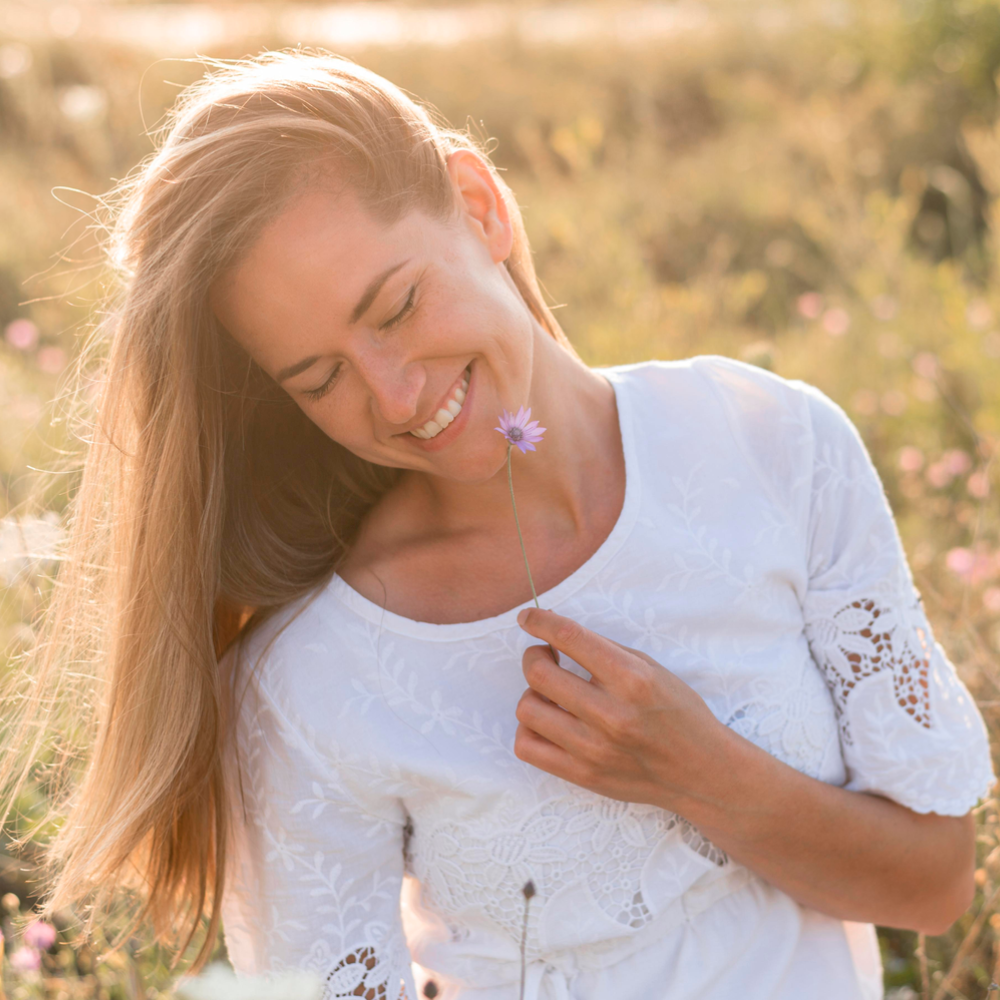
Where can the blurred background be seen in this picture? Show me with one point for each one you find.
(809, 187)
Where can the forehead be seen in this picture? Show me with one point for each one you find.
(308, 269)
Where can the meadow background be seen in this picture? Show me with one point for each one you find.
(810, 187)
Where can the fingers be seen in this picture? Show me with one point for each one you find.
(550, 721)
(592, 651)
(558, 685)
(536, 750)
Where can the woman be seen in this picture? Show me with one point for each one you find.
(722, 749)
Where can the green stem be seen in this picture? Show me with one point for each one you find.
(520, 537)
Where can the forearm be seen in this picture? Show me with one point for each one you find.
(847, 854)
(635, 732)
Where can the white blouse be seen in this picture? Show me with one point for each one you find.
(386, 829)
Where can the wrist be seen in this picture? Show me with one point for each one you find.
(736, 791)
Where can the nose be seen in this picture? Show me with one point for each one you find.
(395, 385)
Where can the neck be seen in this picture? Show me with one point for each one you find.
(556, 486)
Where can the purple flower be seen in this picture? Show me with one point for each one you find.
(26, 960)
(518, 431)
(39, 934)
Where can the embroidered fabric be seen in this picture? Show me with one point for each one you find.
(760, 564)
(864, 638)
(362, 972)
(294, 896)
(902, 711)
(577, 839)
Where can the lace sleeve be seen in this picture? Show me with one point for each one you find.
(315, 866)
(909, 729)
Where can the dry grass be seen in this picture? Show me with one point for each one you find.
(817, 200)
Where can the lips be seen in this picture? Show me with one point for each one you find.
(447, 412)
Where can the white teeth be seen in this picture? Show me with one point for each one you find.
(445, 415)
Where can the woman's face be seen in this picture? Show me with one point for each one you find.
(374, 330)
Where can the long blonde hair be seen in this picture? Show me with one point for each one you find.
(207, 499)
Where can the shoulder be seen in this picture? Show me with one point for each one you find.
(302, 659)
(755, 402)
(705, 373)
(748, 424)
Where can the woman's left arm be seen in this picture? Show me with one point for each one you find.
(638, 733)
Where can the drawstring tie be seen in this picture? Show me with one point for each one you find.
(549, 980)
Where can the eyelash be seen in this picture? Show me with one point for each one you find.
(398, 318)
(321, 391)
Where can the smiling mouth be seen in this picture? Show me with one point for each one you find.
(444, 416)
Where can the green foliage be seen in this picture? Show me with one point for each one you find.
(813, 194)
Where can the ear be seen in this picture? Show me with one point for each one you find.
(480, 200)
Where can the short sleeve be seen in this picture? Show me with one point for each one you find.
(909, 729)
(315, 865)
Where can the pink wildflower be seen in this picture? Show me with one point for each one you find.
(956, 461)
(979, 315)
(939, 475)
(991, 599)
(972, 567)
(911, 459)
(21, 334)
(926, 365)
(518, 431)
(26, 959)
(810, 305)
(978, 485)
(836, 322)
(39, 934)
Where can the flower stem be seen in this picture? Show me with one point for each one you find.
(520, 537)
(528, 891)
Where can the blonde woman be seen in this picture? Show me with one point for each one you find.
(750, 749)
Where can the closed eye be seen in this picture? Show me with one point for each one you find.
(320, 391)
(398, 318)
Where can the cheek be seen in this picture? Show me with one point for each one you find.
(476, 302)
(343, 416)
(347, 419)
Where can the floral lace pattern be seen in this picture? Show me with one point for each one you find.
(865, 638)
(362, 973)
(770, 579)
(578, 838)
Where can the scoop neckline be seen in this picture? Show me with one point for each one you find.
(389, 621)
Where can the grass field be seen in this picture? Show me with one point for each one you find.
(814, 193)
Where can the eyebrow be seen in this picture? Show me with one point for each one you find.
(299, 366)
(364, 303)
(373, 289)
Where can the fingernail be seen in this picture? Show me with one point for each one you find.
(521, 615)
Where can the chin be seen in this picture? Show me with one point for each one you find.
(481, 469)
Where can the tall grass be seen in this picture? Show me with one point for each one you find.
(814, 195)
